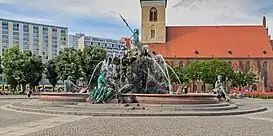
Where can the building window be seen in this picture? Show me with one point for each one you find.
(265, 74)
(54, 30)
(247, 67)
(181, 64)
(153, 14)
(25, 26)
(15, 24)
(152, 34)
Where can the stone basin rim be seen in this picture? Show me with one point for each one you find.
(173, 95)
(135, 94)
(61, 93)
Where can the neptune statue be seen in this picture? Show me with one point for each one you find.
(135, 40)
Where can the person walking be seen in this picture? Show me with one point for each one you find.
(29, 92)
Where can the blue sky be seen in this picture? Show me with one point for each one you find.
(100, 17)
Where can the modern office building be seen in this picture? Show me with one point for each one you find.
(74, 39)
(114, 48)
(43, 40)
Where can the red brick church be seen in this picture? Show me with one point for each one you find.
(247, 47)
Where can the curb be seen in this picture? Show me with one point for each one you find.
(122, 114)
(3, 98)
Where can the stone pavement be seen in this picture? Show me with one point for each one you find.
(9, 118)
(34, 126)
(88, 109)
(258, 124)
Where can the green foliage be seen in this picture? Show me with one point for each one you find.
(68, 64)
(208, 70)
(90, 57)
(33, 69)
(211, 68)
(12, 82)
(182, 75)
(194, 71)
(51, 74)
(12, 60)
(22, 66)
(243, 79)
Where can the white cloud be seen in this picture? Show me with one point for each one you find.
(101, 32)
(10, 15)
(179, 12)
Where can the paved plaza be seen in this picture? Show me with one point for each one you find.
(14, 123)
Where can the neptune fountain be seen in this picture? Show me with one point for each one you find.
(141, 76)
(140, 71)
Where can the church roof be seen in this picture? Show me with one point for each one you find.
(215, 42)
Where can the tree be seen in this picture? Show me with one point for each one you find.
(182, 75)
(68, 64)
(90, 57)
(250, 78)
(12, 82)
(194, 71)
(242, 79)
(33, 68)
(210, 69)
(51, 74)
(12, 61)
(22, 66)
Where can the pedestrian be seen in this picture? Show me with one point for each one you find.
(29, 92)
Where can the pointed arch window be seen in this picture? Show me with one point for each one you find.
(153, 14)
(247, 67)
(265, 74)
(152, 32)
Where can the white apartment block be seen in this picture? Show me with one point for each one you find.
(73, 40)
(114, 48)
(43, 40)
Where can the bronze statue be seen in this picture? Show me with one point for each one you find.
(219, 89)
(69, 86)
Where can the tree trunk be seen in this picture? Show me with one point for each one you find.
(193, 86)
(23, 87)
(53, 87)
(204, 85)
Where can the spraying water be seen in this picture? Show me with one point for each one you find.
(136, 67)
(174, 74)
(165, 65)
(164, 73)
(94, 72)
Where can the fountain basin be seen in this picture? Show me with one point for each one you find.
(63, 97)
(191, 98)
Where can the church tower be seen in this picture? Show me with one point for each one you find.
(153, 21)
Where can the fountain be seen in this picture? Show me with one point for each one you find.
(141, 76)
(138, 84)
